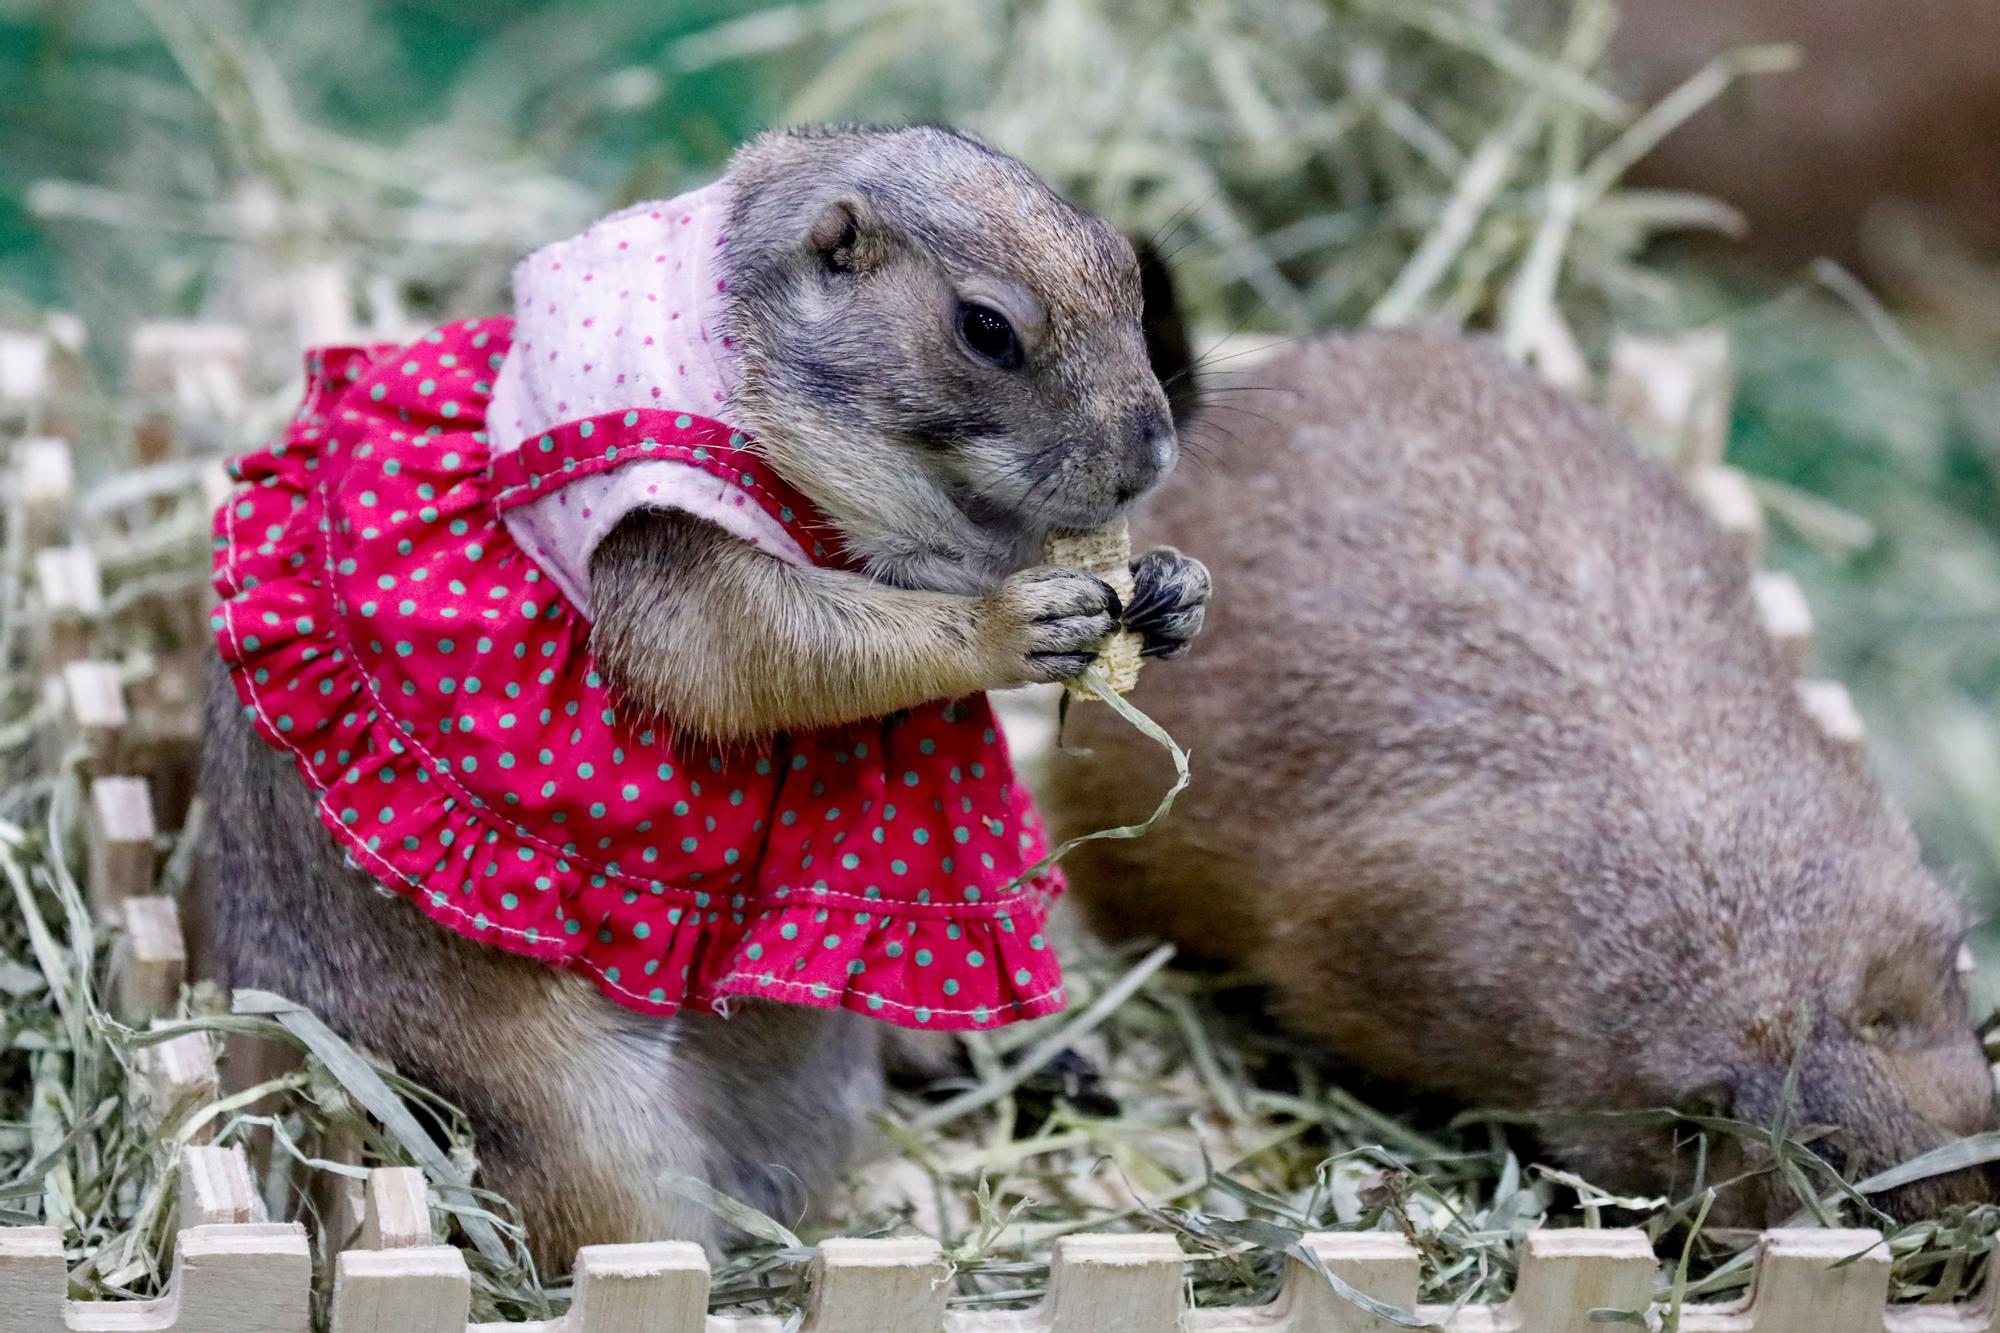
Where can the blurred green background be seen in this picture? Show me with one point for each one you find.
(1301, 157)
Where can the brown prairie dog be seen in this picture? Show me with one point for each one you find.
(947, 362)
(1505, 795)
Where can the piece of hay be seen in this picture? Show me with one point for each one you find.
(1107, 553)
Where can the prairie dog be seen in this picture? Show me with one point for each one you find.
(939, 358)
(1505, 795)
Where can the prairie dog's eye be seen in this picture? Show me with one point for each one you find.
(987, 332)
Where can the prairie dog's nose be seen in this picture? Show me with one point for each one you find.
(1150, 447)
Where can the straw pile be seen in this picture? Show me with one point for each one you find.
(1315, 162)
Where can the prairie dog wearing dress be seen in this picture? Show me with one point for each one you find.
(944, 360)
(1500, 788)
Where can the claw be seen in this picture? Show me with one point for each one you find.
(1170, 591)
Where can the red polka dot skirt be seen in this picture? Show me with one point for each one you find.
(438, 693)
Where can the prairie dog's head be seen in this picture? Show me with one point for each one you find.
(1802, 979)
(938, 350)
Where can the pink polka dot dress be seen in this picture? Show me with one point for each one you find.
(404, 611)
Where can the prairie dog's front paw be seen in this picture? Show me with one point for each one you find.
(1047, 624)
(1170, 595)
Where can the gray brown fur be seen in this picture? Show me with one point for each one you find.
(849, 252)
(945, 474)
(1502, 791)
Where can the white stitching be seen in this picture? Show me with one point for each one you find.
(1055, 993)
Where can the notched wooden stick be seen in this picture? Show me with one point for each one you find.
(1107, 553)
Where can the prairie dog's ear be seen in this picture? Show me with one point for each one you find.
(1167, 345)
(846, 236)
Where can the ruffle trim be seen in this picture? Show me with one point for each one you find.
(277, 623)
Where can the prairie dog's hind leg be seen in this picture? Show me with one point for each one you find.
(783, 1094)
(578, 1106)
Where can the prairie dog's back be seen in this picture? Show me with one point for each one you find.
(1498, 784)
(1442, 579)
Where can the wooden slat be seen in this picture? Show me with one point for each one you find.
(1786, 619)
(69, 580)
(216, 1189)
(397, 1210)
(241, 1279)
(201, 366)
(1827, 1281)
(1566, 1274)
(1832, 707)
(24, 366)
(871, 1286)
(121, 843)
(1724, 494)
(180, 1075)
(34, 1278)
(1114, 1284)
(45, 481)
(1378, 1264)
(92, 702)
(661, 1288)
(340, 1201)
(425, 1290)
(151, 962)
(71, 589)
(1674, 395)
